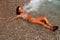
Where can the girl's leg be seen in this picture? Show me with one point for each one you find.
(45, 20)
(43, 24)
(36, 21)
(53, 28)
(39, 22)
(47, 23)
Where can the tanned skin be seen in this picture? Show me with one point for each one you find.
(40, 20)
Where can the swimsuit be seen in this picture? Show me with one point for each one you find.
(24, 16)
(27, 17)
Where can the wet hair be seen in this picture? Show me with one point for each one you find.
(17, 10)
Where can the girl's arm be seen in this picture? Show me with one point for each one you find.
(12, 19)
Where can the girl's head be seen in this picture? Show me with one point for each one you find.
(19, 10)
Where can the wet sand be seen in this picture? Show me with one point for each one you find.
(23, 30)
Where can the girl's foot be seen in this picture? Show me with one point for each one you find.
(53, 28)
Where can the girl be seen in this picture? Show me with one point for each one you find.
(40, 20)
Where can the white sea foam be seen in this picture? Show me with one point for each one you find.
(33, 5)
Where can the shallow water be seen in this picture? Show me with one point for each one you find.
(56, 4)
